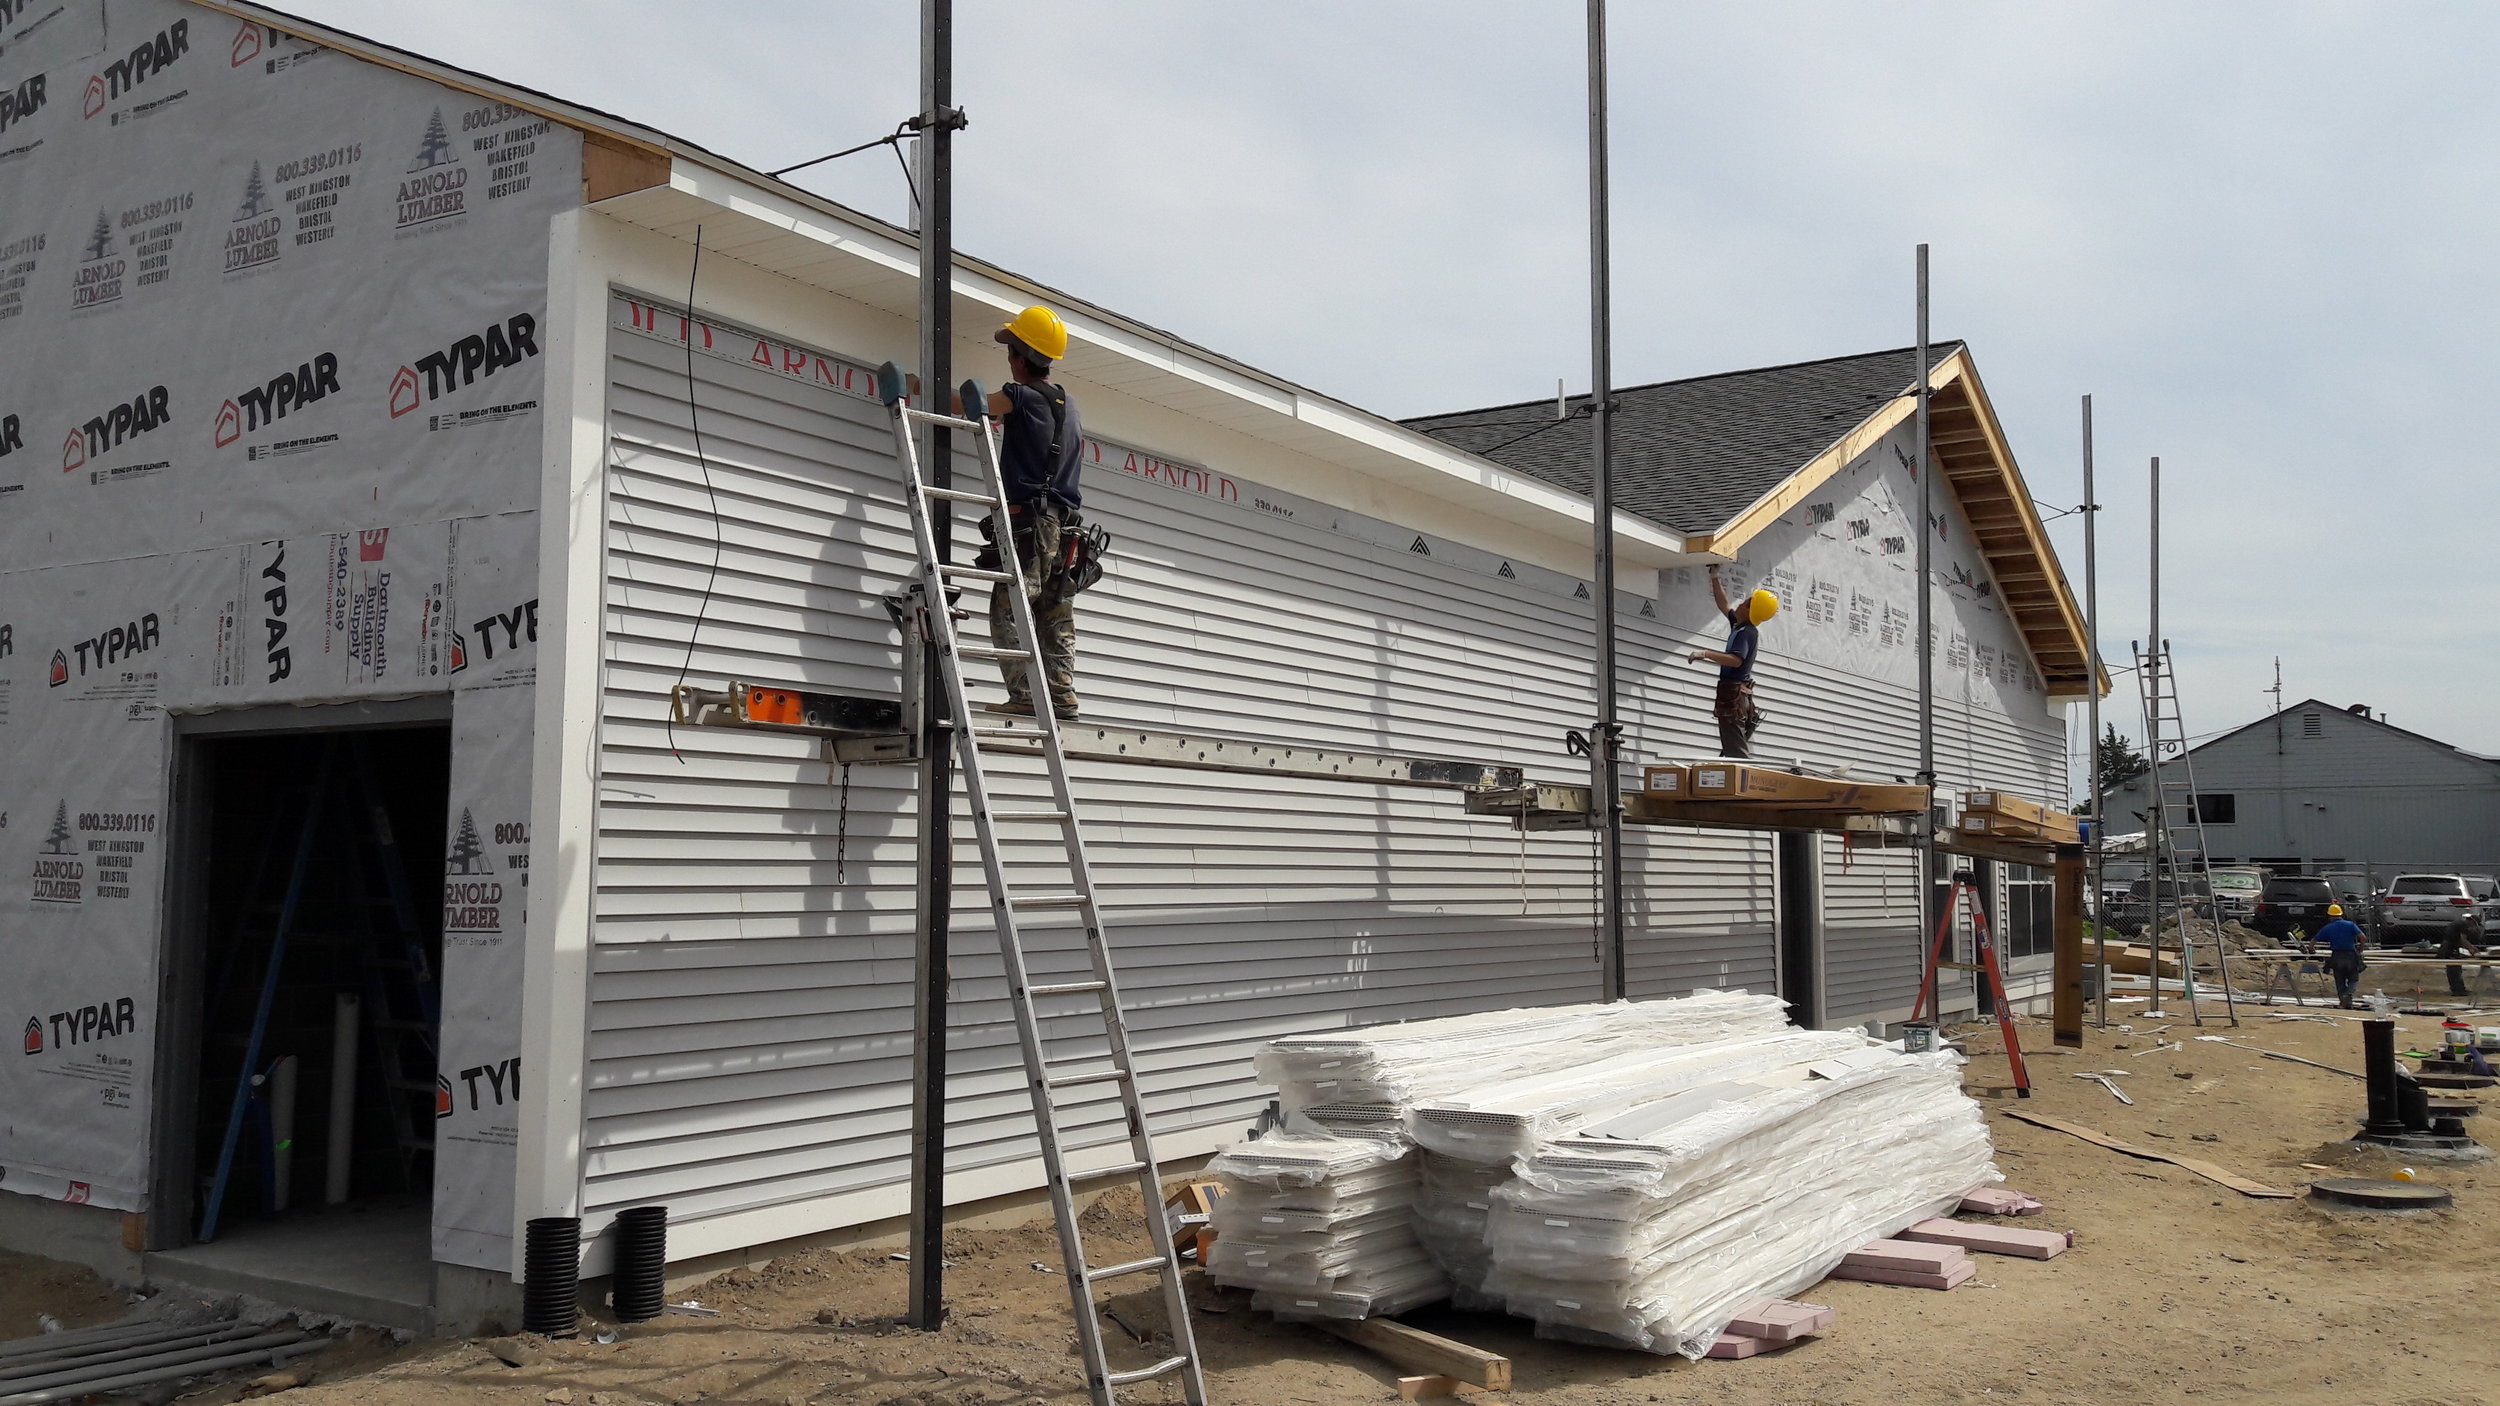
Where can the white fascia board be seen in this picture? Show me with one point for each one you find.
(1424, 458)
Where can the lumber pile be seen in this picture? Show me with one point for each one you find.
(1635, 1175)
(2011, 817)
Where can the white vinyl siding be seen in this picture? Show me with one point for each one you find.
(751, 1017)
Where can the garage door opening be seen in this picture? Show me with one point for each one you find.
(309, 948)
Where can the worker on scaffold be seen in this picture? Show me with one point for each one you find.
(1040, 443)
(1733, 705)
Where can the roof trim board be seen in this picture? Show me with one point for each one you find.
(1979, 466)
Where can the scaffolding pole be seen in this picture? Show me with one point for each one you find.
(2092, 725)
(1926, 624)
(1605, 773)
(935, 886)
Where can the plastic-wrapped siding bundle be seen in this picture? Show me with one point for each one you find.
(1320, 1227)
(1497, 1123)
(1652, 1229)
(1393, 1066)
(1452, 1200)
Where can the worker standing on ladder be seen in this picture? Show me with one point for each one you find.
(1733, 706)
(1039, 449)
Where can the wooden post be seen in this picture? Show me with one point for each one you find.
(2066, 997)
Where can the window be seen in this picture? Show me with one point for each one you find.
(2218, 808)
(2429, 886)
(2030, 911)
(2312, 725)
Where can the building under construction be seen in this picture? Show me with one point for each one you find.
(379, 461)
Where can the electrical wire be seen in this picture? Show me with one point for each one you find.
(694, 419)
(1576, 413)
(895, 139)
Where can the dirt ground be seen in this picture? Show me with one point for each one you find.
(2176, 1287)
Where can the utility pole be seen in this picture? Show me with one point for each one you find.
(2092, 723)
(935, 893)
(1926, 631)
(1605, 771)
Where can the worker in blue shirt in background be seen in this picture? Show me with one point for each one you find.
(2343, 953)
(1733, 705)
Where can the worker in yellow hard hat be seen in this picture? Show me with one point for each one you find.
(2342, 937)
(1733, 705)
(1040, 441)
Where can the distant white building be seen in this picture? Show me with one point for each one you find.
(2319, 787)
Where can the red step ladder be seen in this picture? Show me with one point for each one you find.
(1985, 941)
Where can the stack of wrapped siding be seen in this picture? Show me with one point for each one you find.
(1650, 1229)
(1471, 1139)
(1361, 1083)
(1320, 1227)
(1319, 1222)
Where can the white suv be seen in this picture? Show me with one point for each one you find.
(2436, 905)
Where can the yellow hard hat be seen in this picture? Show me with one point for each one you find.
(1761, 606)
(2335, 910)
(1040, 330)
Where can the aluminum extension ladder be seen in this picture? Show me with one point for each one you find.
(2175, 827)
(1009, 905)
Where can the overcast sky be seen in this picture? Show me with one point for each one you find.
(2260, 235)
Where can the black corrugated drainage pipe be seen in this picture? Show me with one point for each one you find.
(638, 1281)
(552, 1257)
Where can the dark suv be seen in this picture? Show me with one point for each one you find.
(2290, 904)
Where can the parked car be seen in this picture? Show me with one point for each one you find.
(2486, 892)
(2291, 904)
(2236, 890)
(2132, 914)
(2432, 906)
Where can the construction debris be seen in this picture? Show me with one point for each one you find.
(1998, 1201)
(2206, 1170)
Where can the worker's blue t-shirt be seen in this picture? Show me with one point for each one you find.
(2341, 935)
(1740, 642)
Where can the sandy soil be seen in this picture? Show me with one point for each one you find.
(31, 1287)
(2177, 1287)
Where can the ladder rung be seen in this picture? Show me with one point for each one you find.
(1114, 1271)
(985, 651)
(931, 417)
(1015, 732)
(1099, 1076)
(1116, 1169)
(1036, 816)
(1049, 900)
(1144, 1374)
(974, 573)
(1064, 988)
(957, 495)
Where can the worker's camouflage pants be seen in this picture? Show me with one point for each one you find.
(1040, 546)
(1733, 706)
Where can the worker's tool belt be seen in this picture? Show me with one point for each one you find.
(1076, 564)
(1734, 701)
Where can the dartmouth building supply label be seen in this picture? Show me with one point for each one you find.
(271, 350)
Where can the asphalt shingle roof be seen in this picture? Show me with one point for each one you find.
(1690, 455)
